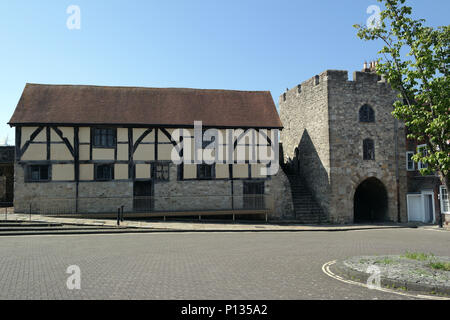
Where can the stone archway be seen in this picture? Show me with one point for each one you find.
(370, 202)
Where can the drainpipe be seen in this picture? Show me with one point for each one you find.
(397, 178)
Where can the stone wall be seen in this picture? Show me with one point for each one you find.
(321, 119)
(7, 154)
(305, 137)
(193, 194)
(104, 197)
(347, 133)
(2, 188)
(279, 189)
(56, 194)
(173, 195)
(217, 194)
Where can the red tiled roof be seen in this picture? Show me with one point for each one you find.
(90, 105)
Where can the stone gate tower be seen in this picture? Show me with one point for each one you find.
(341, 139)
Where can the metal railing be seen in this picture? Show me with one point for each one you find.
(147, 206)
(5, 208)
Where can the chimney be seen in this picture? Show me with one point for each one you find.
(370, 67)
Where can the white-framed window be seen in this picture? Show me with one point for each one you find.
(410, 165)
(445, 206)
(422, 149)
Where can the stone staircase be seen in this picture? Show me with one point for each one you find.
(306, 209)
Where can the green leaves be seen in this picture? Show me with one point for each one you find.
(415, 61)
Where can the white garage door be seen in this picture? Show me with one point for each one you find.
(415, 208)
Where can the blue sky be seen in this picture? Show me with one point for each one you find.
(242, 44)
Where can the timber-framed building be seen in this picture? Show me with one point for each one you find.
(92, 149)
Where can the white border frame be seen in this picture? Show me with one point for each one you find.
(431, 193)
(414, 164)
(442, 200)
(422, 199)
(420, 164)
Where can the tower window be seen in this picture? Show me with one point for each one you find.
(368, 149)
(366, 114)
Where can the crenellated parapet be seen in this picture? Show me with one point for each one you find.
(336, 78)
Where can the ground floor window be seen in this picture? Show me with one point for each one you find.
(38, 173)
(104, 172)
(206, 171)
(161, 171)
(445, 207)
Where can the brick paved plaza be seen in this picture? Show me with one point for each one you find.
(241, 265)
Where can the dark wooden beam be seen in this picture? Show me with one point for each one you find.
(18, 142)
(139, 140)
(32, 137)
(130, 154)
(156, 144)
(48, 139)
(65, 140)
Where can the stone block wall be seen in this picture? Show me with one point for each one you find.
(347, 133)
(173, 195)
(305, 137)
(279, 189)
(56, 194)
(323, 140)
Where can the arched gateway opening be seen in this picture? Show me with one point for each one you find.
(370, 201)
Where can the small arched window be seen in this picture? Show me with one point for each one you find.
(368, 149)
(366, 114)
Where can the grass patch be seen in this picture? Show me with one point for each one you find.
(438, 265)
(363, 260)
(385, 261)
(422, 272)
(420, 256)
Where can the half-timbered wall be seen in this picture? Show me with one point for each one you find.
(64, 148)
(72, 158)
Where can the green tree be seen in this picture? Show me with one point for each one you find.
(415, 61)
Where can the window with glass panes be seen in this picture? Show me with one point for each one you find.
(423, 150)
(38, 173)
(410, 166)
(205, 171)
(366, 114)
(161, 171)
(104, 172)
(104, 138)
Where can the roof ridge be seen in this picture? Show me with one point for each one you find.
(140, 87)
